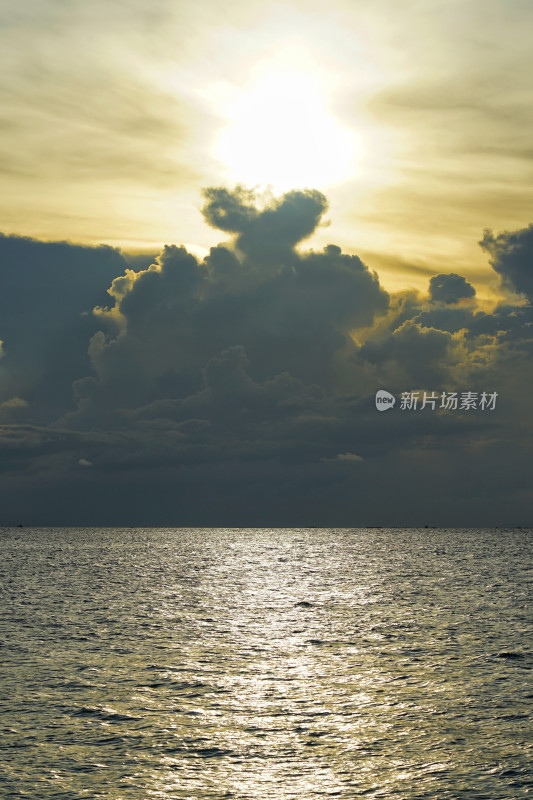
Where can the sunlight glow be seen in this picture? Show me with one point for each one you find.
(280, 134)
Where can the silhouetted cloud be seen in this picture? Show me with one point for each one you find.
(240, 389)
(450, 288)
(421, 352)
(49, 290)
(269, 234)
(511, 255)
(289, 311)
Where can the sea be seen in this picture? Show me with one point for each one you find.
(262, 664)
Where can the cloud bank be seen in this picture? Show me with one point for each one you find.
(239, 390)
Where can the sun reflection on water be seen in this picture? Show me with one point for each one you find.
(282, 664)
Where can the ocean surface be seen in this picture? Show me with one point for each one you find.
(266, 664)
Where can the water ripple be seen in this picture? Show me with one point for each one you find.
(254, 664)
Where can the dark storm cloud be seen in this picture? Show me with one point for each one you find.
(511, 255)
(268, 235)
(48, 293)
(448, 318)
(450, 288)
(240, 389)
(289, 311)
(421, 352)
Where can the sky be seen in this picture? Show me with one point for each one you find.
(225, 227)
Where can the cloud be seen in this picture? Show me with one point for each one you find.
(48, 292)
(290, 312)
(268, 235)
(11, 409)
(419, 355)
(14, 402)
(511, 255)
(239, 389)
(345, 457)
(450, 288)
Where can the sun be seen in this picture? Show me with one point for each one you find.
(280, 133)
